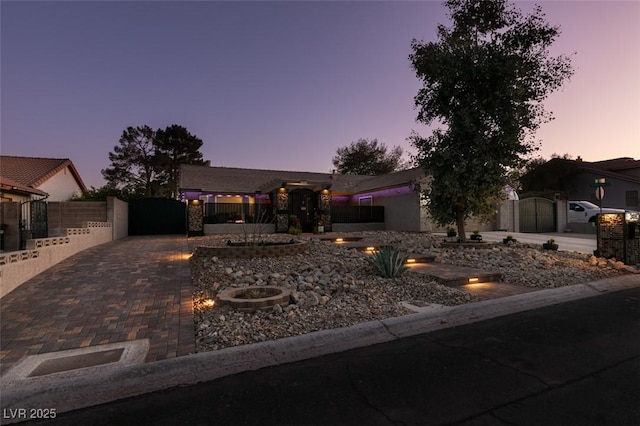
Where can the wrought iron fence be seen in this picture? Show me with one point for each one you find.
(237, 213)
(357, 214)
(33, 221)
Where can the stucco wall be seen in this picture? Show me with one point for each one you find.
(61, 186)
(401, 212)
(508, 217)
(42, 253)
(118, 216)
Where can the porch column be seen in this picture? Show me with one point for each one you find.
(324, 205)
(282, 210)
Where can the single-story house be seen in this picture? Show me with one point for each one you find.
(26, 178)
(574, 179)
(228, 196)
(26, 184)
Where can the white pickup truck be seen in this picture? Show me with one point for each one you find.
(586, 211)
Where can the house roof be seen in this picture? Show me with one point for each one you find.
(616, 164)
(617, 168)
(402, 177)
(238, 180)
(31, 172)
(10, 185)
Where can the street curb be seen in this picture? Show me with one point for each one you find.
(67, 394)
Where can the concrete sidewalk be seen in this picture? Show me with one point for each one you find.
(583, 243)
(70, 391)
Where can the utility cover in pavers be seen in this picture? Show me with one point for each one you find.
(91, 359)
(453, 274)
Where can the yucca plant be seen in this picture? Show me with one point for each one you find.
(387, 262)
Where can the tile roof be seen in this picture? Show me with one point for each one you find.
(616, 164)
(230, 180)
(33, 172)
(7, 184)
(625, 169)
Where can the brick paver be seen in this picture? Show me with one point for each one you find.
(129, 289)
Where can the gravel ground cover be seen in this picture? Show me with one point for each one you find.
(334, 286)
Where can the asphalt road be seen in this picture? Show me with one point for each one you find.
(576, 363)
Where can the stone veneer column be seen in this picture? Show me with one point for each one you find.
(195, 224)
(324, 205)
(282, 210)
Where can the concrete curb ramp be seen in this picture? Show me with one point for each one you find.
(66, 393)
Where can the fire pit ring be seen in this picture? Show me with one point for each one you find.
(252, 298)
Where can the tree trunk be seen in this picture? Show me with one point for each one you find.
(460, 223)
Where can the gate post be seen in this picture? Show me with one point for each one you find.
(561, 215)
(195, 225)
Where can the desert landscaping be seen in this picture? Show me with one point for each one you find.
(334, 286)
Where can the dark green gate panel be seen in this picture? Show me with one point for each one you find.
(157, 216)
(537, 215)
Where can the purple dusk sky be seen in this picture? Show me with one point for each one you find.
(277, 85)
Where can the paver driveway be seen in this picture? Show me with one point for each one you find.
(134, 288)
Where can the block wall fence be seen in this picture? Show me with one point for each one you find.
(73, 226)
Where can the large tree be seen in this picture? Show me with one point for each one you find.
(368, 157)
(175, 146)
(484, 80)
(148, 161)
(133, 162)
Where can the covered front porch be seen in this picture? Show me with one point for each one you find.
(279, 204)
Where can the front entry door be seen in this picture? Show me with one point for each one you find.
(303, 204)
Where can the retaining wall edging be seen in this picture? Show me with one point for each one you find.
(244, 252)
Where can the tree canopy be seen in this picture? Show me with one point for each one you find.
(368, 157)
(484, 80)
(147, 162)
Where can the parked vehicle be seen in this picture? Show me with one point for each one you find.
(586, 211)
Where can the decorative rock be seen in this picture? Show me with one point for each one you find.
(333, 287)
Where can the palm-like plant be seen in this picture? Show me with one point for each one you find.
(387, 262)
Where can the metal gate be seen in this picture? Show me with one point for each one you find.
(537, 215)
(157, 216)
(33, 221)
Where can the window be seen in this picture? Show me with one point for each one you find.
(366, 201)
(632, 199)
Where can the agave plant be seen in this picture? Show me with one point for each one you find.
(387, 262)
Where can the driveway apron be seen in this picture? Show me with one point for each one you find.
(130, 289)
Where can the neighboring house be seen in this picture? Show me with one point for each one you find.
(340, 202)
(26, 185)
(25, 178)
(573, 180)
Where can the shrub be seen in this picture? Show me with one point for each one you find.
(388, 263)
